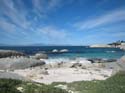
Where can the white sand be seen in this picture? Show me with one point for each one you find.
(65, 74)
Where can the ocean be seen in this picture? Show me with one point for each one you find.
(73, 51)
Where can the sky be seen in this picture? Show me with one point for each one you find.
(61, 22)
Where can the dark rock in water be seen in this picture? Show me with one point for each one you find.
(98, 60)
(10, 53)
(19, 63)
(95, 60)
(40, 56)
(111, 60)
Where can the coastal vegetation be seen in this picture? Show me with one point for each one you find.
(18, 86)
(114, 84)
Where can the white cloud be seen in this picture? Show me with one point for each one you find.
(6, 26)
(42, 6)
(110, 17)
(52, 32)
(16, 16)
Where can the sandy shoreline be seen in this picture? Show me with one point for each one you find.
(65, 73)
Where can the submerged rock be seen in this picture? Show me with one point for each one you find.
(10, 53)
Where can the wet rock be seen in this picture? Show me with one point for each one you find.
(63, 50)
(98, 60)
(95, 60)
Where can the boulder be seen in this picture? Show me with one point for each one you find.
(64, 50)
(121, 63)
(10, 75)
(40, 56)
(19, 63)
(9, 53)
(122, 59)
(55, 51)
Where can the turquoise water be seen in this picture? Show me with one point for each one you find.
(73, 51)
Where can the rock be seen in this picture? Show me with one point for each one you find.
(95, 60)
(20, 89)
(75, 65)
(111, 60)
(122, 46)
(40, 56)
(9, 75)
(19, 63)
(61, 86)
(98, 60)
(121, 63)
(122, 59)
(64, 50)
(10, 53)
(44, 72)
(55, 51)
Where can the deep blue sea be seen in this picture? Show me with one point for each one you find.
(73, 51)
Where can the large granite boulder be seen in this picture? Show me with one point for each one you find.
(9, 53)
(122, 59)
(10, 75)
(121, 63)
(19, 63)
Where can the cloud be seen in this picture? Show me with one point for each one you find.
(52, 32)
(6, 26)
(9, 9)
(109, 18)
(16, 12)
(43, 6)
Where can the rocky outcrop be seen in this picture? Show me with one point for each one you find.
(9, 75)
(40, 56)
(122, 59)
(19, 63)
(10, 53)
(118, 66)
